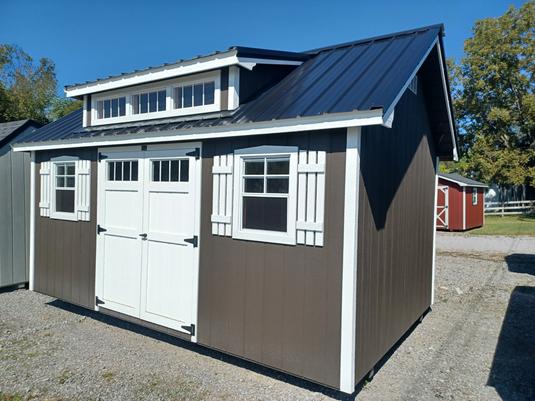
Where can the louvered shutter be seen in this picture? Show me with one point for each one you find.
(222, 195)
(310, 197)
(46, 188)
(83, 189)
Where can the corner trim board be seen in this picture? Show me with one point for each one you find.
(349, 264)
(32, 222)
(434, 233)
(464, 208)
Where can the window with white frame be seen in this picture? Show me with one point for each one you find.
(149, 102)
(196, 95)
(65, 188)
(110, 108)
(266, 194)
(474, 196)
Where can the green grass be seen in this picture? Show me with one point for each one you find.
(518, 224)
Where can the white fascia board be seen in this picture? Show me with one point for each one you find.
(390, 110)
(446, 99)
(250, 61)
(349, 261)
(463, 184)
(156, 74)
(331, 121)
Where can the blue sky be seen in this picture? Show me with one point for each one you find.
(95, 39)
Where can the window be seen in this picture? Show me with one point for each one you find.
(111, 108)
(196, 95)
(65, 179)
(170, 171)
(123, 171)
(65, 188)
(265, 194)
(149, 102)
(474, 196)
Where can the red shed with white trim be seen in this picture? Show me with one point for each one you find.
(460, 203)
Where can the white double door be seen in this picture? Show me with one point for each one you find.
(148, 223)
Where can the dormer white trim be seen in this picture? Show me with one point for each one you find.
(180, 69)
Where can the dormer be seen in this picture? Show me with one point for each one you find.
(202, 87)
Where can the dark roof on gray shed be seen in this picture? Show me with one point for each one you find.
(462, 180)
(356, 76)
(11, 129)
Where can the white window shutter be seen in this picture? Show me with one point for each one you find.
(222, 195)
(311, 197)
(46, 188)
(83, 189)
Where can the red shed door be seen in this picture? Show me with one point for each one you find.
(442, 207)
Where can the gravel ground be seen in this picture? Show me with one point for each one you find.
(477, 342)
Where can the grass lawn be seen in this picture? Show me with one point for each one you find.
(518, 224)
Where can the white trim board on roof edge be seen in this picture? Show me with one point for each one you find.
(194, 66)
(330, 121)
(463, 184)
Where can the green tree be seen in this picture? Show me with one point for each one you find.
(61, 106)
(493, 90)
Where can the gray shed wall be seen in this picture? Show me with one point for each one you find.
(395, 234)
(14, 215)
(274, 304)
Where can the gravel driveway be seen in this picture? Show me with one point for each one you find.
(477, 342)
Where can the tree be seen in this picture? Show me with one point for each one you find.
(493, 90)
(62, 106)
(30, 88)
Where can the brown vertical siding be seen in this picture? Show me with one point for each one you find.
(395, 230)
(65, 250)
(274, 304)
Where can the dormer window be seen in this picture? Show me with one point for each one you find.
(149, 102)
(200, 94)
(188, 95)
(109, 108)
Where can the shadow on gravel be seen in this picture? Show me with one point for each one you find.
(513, 368)
(199, 349)
(521, 263)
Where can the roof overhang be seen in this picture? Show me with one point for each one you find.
(330, 121)
(464, 184)
(187, 67)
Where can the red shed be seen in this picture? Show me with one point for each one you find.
(460, 203)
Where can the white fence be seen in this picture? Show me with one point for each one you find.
(512, 207)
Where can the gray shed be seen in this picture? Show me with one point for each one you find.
(267, 204)
(14, 204)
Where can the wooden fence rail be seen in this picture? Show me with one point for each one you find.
(511, 207)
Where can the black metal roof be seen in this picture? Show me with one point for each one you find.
(11, 129)
(462, 180)
(357, 76)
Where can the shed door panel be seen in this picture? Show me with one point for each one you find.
(120, 201)
(169, 210)
(442, 207)
(146, 256)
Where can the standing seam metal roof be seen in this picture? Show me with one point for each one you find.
(361, 76)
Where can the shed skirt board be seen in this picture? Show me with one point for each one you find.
(146, 256)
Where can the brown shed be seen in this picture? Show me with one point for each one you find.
(276, 206)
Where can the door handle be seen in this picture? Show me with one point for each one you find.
(143, 235)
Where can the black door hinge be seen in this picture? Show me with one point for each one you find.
(196, 153)
(98, 301)
(191, 329)
(193, 241)
(101, 157)
(100, 229)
